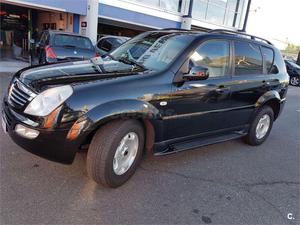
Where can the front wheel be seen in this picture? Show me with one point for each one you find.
(261, 126)
(115, 152)
(294, 80)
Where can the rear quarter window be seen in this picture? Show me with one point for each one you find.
(268, 54)
(248, 58)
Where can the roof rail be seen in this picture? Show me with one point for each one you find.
(224, 31)
(179, 29)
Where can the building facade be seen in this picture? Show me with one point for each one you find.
(117, 17)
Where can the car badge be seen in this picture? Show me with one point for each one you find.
(75, 52)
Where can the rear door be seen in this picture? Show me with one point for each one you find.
(201, 106)
(251, 79)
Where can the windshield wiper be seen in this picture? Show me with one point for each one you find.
(132, 62)
(128, 61)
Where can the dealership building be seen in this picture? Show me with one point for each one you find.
(22, 19)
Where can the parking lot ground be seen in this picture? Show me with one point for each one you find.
(227, 183)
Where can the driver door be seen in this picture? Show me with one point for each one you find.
(203, 106)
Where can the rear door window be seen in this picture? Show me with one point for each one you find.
(248, 59)
(106, 45)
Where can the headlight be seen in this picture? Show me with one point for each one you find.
(44, 103)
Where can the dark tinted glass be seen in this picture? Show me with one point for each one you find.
(248, 59)
(106, 45)
(269, 57)
(213, 55)
(72, 41)
(99, 43)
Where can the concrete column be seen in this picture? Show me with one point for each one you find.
(187, 19)
(91, 20)
(76, 23)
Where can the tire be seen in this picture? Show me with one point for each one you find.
(294, 80)
(255, 137)
(101, 154)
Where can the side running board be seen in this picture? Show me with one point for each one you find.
(199, 142)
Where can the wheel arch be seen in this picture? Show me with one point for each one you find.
(141, 111)
(272, 99)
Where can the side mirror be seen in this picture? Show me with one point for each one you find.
(197, 73)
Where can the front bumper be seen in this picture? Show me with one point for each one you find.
(49, 144)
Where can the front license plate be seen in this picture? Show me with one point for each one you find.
(4, 125)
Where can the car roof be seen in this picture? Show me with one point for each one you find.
(64, 33)
(226, 34)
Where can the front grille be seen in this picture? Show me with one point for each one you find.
(19, 95)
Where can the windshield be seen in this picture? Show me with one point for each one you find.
(65, 40)
(294, 64)
(154, 51)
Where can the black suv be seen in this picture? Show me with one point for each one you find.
(164, 91)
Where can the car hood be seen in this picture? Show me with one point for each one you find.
(73, 72)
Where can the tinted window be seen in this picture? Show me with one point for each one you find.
(268, 57)
(106, 45)
(100, 43)
(116, 42)
(64, 40)
(213, 55)
(248, 59)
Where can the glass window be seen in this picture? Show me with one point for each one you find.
(171, 5)
(213, 55)
(64, 40)
(268, 57)
(215, 14)
(229, 18)
(199, 9)
(168, 5)
(153, 50)
(221, 12)
(106, 45)
(248, 58)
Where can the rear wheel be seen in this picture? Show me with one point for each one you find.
(261, 126)
(115, 152)
(294, 80)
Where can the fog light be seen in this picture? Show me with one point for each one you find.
(26, 132)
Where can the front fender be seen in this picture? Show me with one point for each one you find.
(130, 108)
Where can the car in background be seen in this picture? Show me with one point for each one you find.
(294, 72)
(56, 46)
(108, 43)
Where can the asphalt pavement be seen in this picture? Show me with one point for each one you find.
(227, 183)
